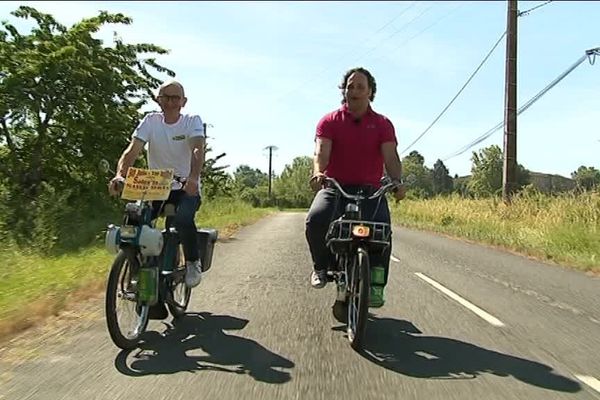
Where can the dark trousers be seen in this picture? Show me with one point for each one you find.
(186, 207)
(327, 206)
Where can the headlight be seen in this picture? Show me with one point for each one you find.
(112, 239)
(151, 241)
(361, 231)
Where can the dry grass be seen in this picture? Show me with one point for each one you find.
(564, 229)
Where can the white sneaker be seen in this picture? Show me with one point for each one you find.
(193, 273)
(318, 279)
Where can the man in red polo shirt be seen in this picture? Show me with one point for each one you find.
(352, 145)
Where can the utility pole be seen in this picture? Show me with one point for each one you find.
(270, 148)
(206, 126)
(509, 173)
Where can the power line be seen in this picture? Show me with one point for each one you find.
(497, 127)
(329, 68)
(317, 91)
(459, 92)
(471, 77)
(589, 54)
(397, 31)
(401, 13)
(522, 13)
(395, 48)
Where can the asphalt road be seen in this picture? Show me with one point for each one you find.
(461, 321)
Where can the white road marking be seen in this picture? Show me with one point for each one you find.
(395, 259)
(481, 313)
(590, 381)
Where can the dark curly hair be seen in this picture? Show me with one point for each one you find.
(370, 80)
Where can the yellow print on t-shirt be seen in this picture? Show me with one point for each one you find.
(147, 184)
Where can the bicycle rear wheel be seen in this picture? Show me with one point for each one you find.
(125, 318)
(358, 302)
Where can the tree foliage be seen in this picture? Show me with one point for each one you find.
(442, 182)
(586, 178)
(292, 188)
(215, 180)
(486, 179)
(247, 177)
(418, 178)
(66, 102)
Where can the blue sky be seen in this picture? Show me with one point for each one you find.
(263, 73)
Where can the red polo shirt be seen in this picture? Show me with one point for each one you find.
(356, 157)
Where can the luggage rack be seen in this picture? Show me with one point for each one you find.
(339, 236)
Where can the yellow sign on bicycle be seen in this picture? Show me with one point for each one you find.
(147, 184)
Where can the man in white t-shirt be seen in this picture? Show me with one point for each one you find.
(174, 141)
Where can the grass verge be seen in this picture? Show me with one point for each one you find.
(33, 287)
(564, 229)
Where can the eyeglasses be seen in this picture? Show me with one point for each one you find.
(167, 97)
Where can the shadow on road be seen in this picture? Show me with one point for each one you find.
(399, 346)
(166, 353)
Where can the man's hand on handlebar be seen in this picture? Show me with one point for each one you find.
(317, 181)
(400, 192)
(115, 186)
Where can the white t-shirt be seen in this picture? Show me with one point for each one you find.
(168, 145)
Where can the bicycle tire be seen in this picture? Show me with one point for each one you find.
(359, 299)
(112, 290)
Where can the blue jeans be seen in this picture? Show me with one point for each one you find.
(186, 207)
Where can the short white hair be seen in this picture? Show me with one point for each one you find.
(171, 82)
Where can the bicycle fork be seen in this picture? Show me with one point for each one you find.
(342, 280)
(342, 287)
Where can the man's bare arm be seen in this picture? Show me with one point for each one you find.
(321, 156)
(129, 156)
(197, 161)
(393, 165)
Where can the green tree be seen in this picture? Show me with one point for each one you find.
(215, 181)
(418, 177)
(247, 177)
(586, 178)
(66, 102)
(486, 170)
(292, 188)
(461, 185)
(442, 181)
(258, 196)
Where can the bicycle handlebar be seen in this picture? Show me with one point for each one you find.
(382, 190)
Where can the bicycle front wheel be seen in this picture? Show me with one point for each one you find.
(125, 318)
(358, 302)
